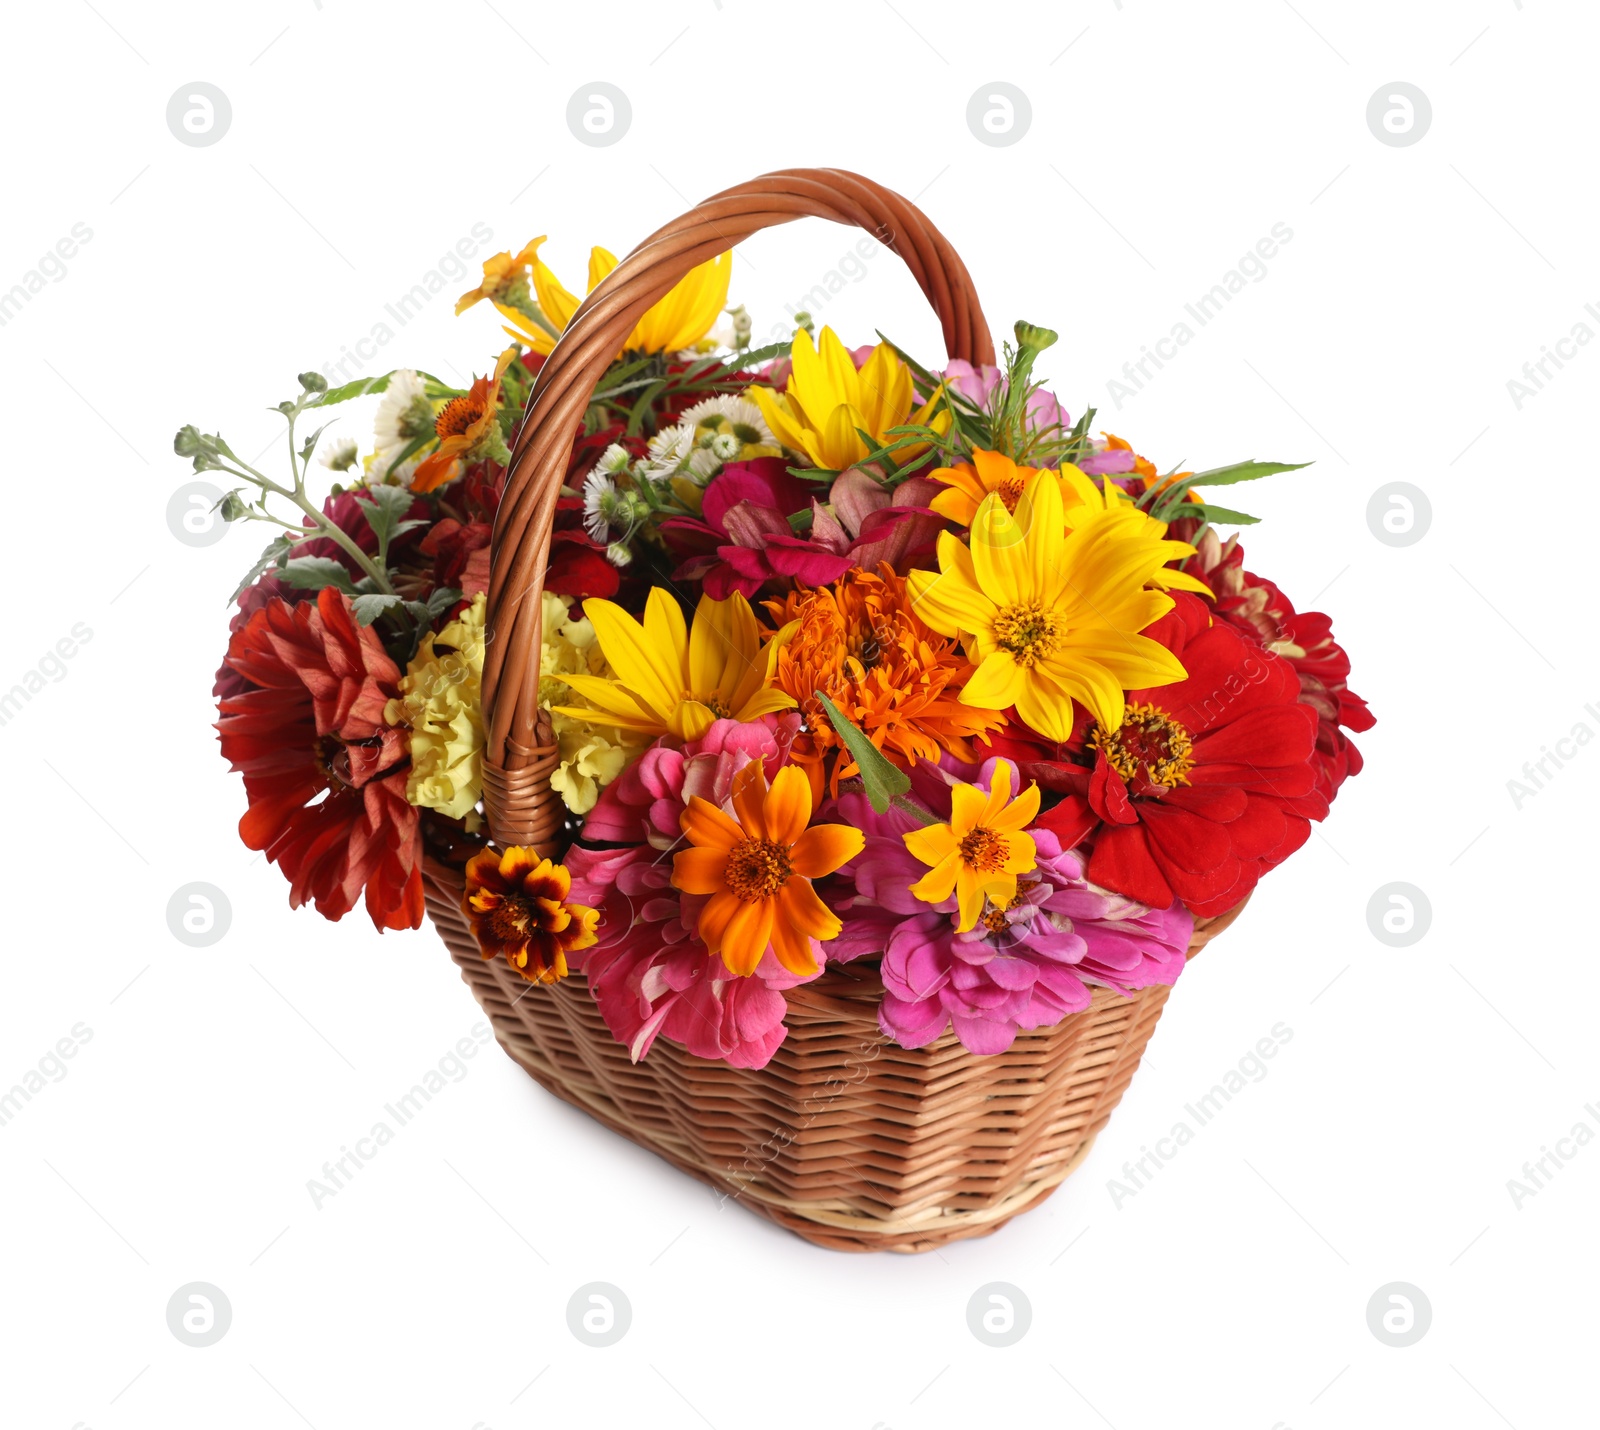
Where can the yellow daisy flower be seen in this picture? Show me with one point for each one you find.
(1086, 502)
(673, 681)
(1048, 615)
(829, 404)
(678, 321)
(980, 852)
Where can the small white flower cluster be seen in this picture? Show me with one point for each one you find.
(706, 438)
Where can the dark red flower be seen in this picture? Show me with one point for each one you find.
(1208, 783)
(324, 772)
(347, 513)
(1255, 606)
(460, 555)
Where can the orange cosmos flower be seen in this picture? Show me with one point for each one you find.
(981, 851)
(758, 867)
(468, 426)
(859, 643)
(517, 905)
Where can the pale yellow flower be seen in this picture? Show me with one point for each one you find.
(591, 756)
(441, 703)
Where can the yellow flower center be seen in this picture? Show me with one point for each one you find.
(1150, 745)
(757, 869)
(716, 706)
(1027, 630)
(984, 850)
(456, 416)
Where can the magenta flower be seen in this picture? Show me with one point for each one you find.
(646, 799)
(1024, 966)
(744, 538)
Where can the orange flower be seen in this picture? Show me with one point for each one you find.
(859, 643)
(758, 867)
(968, 484)
(467, 426)
(517, 905)
(1145, 468)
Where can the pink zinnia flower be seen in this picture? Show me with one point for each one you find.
(1024, 966)
(646, 799)
(652, 976)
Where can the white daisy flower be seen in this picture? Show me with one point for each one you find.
(403, 415)
(599, 504)
(704, 464)
(339, 455)
(726, 412)
(614, 460)
(669, 450)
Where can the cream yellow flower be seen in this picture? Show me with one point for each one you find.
(828, 403)
(591, 757)
(677, 321)
(441, 703)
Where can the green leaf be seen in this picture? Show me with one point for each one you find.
(277, 549)
(383, 508)
(440, 599)
(369, 608)
(363, 386)
(884, 782)
(1170, 502)
(1242, 472)
(312, 573)
(641, 408)
(1219, 514)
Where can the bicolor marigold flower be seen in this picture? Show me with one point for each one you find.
(517, 905)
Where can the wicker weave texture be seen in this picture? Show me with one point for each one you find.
(844, 1138)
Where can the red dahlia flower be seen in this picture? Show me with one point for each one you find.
(1207, 784)
(325, 774)
(1256, 606)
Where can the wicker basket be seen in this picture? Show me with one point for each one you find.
(845, 1138)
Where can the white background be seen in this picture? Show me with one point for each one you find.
(1166, 139)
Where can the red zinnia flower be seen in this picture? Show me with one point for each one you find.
(1208, 783)
(324, 772)
(1256, 606)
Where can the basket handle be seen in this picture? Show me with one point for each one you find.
(520, 751)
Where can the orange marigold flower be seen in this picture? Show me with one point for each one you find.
(757, 866)
(517, 905)
(860, 643)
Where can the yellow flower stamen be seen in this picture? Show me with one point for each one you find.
(757, 869)
(1149, 745)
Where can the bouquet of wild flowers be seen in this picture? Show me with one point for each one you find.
(846, 659)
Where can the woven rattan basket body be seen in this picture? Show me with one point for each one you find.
(844, 1137)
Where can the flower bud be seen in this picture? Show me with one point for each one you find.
(313, 382)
